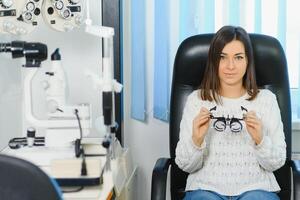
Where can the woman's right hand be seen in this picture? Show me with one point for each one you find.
(200, 126)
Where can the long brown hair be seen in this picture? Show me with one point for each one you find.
(210, 85)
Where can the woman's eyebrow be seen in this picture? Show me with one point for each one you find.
(240, 53)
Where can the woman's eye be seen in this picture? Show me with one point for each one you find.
(222, 57)
(239, 57)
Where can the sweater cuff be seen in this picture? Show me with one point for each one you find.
(264, 144)
(203, 145)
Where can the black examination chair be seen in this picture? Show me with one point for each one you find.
(22, 180)
(190, 62)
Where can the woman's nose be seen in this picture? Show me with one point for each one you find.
(231, 63)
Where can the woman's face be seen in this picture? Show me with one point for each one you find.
(233, 64)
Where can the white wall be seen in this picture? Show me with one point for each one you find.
(148, 141)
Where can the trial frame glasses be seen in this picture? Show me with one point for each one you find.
(221, 123)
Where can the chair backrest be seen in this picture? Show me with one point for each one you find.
(21, 179)
(271, 72)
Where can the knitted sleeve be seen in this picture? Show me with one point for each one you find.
(189, 157)
(271, 152)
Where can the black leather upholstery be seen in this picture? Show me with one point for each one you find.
(190, 62)
(21, 180)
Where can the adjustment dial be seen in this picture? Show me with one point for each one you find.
(59, 5)
(27, 16)
(30, 6)
(66, 13)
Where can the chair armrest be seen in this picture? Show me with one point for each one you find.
(296, 178)
(159, 179)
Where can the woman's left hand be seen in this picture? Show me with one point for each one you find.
(254, 126)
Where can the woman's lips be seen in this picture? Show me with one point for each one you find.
(229, 74)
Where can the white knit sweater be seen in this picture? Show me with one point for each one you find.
(230, 163)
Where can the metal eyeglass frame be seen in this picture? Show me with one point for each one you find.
(222, 122)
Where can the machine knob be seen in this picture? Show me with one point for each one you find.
(66, 13)
(7, 3)
(27, 16)
(74, 1)
(59, 5)
(106, 143)
(30, 6)
(30, 136)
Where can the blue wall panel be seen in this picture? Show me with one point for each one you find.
(234, 12)
(257, 22)
(138, 60)
(282, 22)
(189, 14)
(161, 60)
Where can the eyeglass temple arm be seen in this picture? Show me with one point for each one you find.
(244, 109)
(212, 109)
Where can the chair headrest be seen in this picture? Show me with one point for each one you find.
(191, 57)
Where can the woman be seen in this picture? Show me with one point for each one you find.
(231, 133)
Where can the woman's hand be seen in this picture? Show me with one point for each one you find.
(254, 126)
(200, 126)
